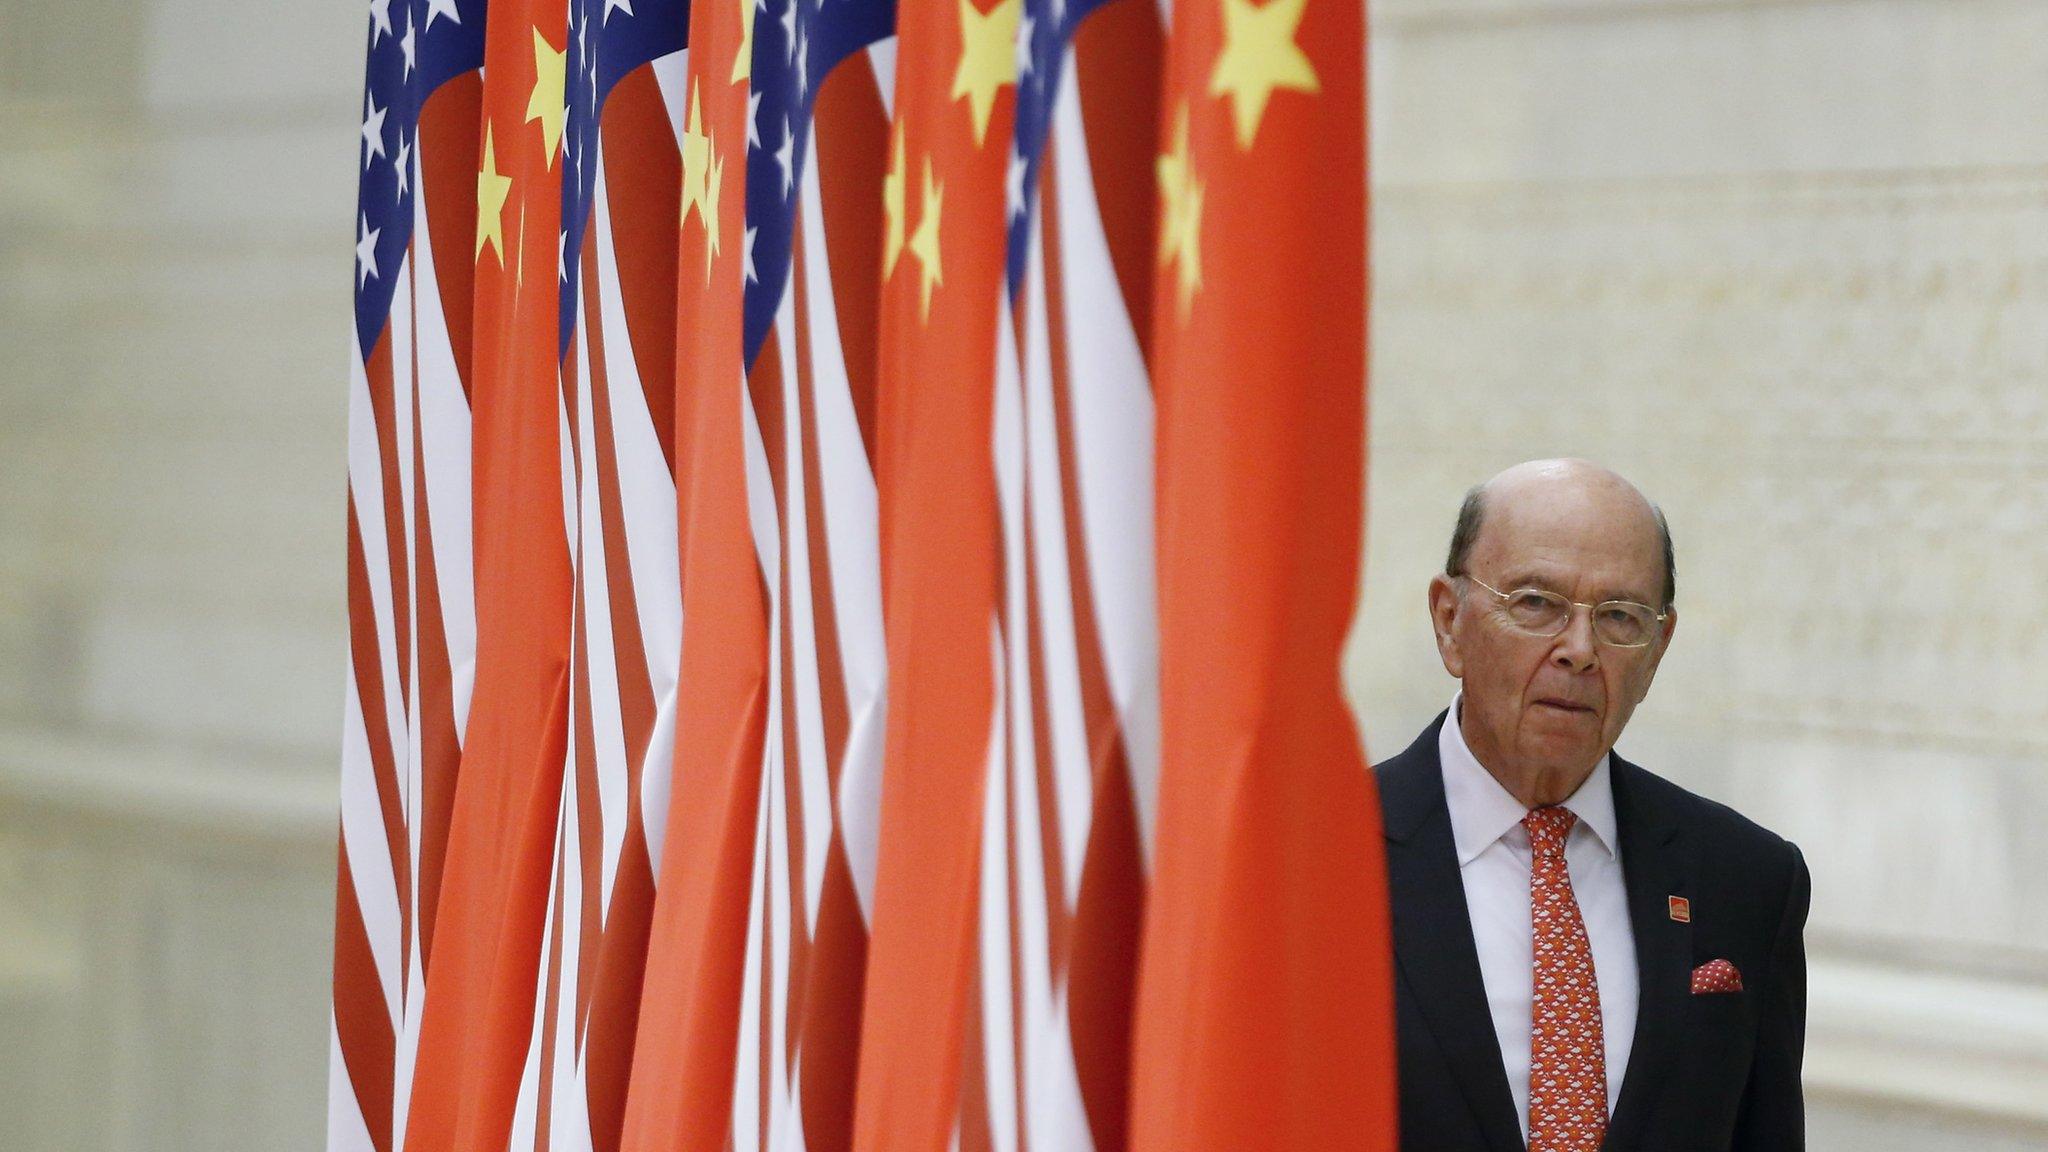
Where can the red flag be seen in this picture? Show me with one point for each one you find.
(680, 1093)
(1265, 1011)
(920, 1075)
(479, 997)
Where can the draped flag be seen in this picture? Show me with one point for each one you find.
(480, 986)
(412, 613)
(620, 187)
(1062, 879)
(921, 1075)
(680, 1096)
(1265, 1011)
(817, 136)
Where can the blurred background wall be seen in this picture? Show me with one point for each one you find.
(1785, 262)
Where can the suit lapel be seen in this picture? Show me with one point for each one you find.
(1433, 935)
(1655, 866)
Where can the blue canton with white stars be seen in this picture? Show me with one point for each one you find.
(1044, 32)
(415, 46)
(796, 44)
(607, 40)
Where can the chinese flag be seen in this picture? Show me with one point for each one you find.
(680, 1094)
(1265, 1006)
(943, 249)
(479, 999)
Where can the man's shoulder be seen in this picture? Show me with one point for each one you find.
(1710, 820)
(1729, 851)
(1410, 782)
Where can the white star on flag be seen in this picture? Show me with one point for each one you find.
(747, 256)
(803, 57)
(1013, 185)
(1024, 46)
(380, 20)
(404, 165)
(561, 256)
(789, 29)
(442, 8)
(366, 251)
(786, 156)
(625, 6)
(373, 129)
(410, 47)
(753, 120)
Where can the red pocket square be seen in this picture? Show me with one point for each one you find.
(1716, 976)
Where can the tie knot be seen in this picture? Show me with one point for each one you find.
(1548, 827)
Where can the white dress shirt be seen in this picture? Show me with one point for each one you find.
(1493, 861)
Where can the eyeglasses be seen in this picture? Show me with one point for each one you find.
(1616, 623)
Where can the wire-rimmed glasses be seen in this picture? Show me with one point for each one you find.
(1616, 623)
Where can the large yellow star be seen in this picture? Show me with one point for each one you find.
(491, 189)
(924, 243)
(988, 58)
(696, 155)
(892, 206)
(545, 104)
(1259, 57)
(702, 174)
(1180, 218)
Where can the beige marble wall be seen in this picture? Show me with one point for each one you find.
(176, 191)
(1784, 261)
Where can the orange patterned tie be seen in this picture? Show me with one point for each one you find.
(1567, 1053)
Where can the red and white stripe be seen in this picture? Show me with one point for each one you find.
(619, 413)
(811, 484)
(1074, 759)
(412, 626)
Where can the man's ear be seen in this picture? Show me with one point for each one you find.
(1443, 620)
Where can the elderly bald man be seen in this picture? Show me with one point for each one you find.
(1589, 956)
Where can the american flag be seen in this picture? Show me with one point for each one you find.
(1062, 886)
(817, 132)
(412, 630)
(616, 269)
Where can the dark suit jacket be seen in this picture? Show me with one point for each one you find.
(1712, 1071)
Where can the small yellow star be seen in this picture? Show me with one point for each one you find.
(545, 104)
(702, 172)
(1180, 221)
(892, 206)
(696, 154)
(924, 243)
(491, 189)
(743, 63)
(988, 58)
(1259, 57)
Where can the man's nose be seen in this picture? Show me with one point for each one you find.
(1576, 650)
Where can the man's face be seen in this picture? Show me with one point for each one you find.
(1543, 705)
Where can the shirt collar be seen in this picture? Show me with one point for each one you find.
(1482, 811)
